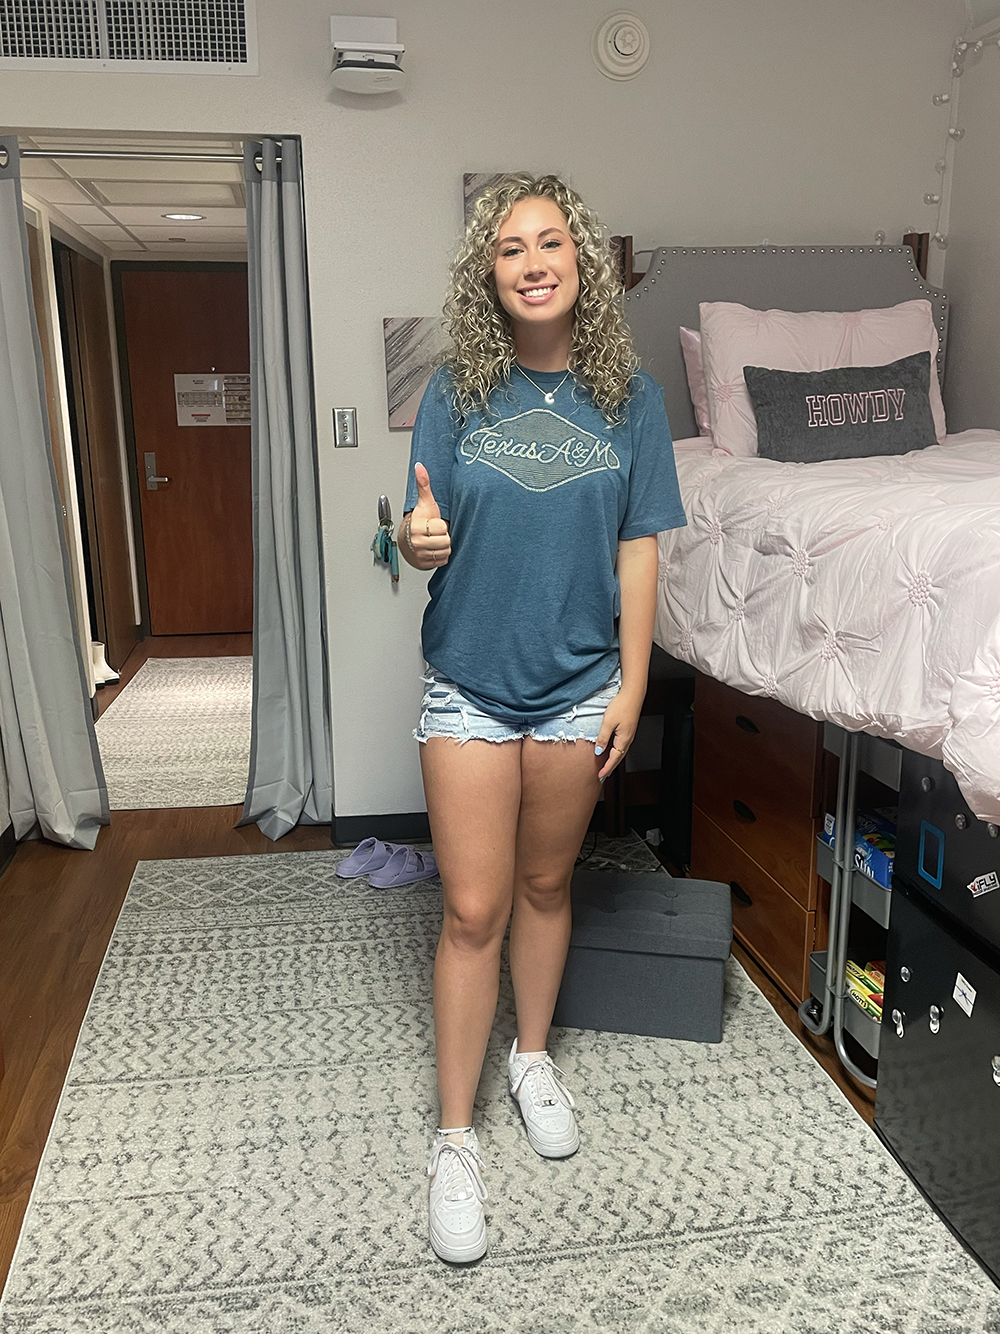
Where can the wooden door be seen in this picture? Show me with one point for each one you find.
(197, 528)
(103, 490)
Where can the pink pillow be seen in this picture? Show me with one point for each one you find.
(697, 388)
(734, 336)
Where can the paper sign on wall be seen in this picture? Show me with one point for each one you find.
(212, 400)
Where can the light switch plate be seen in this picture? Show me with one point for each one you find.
(345, 428)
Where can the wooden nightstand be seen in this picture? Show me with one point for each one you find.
(758, 799)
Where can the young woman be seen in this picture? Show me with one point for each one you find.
(541, 471)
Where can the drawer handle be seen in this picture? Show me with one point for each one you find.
(747, 724)
(743, 812)
(740, 893)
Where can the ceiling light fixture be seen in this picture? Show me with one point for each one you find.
(184, 217)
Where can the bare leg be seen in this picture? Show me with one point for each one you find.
(559, 787)
(473, 792)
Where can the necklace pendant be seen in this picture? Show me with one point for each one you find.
(550, 398)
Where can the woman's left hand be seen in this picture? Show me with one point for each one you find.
(621, 718)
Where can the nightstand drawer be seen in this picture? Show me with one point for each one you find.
(756, 766)
(768, 922)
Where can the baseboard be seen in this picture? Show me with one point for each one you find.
(407, 827)
(8, 846)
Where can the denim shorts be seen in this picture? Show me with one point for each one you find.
(446, 712)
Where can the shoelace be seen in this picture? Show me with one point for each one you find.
(461, 1178)
(543, 1086)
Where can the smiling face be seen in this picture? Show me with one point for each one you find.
(535, 266)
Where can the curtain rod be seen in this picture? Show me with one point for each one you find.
(144, 157)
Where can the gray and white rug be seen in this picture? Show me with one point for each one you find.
(242, 1138)
(179, 735)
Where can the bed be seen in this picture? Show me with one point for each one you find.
(864, 592)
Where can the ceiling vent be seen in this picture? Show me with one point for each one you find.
(148, 36)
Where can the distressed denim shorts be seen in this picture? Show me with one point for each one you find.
(446, 712)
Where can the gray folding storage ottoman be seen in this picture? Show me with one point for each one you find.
(647, 955)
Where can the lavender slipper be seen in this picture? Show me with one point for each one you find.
(367, 856)
(404, 867)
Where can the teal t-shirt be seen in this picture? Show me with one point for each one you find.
(537, 497)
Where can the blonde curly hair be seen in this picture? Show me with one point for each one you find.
(481, 356)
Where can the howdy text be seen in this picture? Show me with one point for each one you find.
(835, 409)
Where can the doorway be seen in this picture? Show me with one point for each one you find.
(98, 473)
(185, 359)
(148, 383)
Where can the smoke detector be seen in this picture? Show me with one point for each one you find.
(365, 55)
(621, 46)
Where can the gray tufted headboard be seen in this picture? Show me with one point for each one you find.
(764, 277)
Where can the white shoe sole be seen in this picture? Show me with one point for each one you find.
(549, 1148)
(460, 1255)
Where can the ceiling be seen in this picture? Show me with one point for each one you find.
(120, 204)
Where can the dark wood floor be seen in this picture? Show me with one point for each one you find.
(58, 908)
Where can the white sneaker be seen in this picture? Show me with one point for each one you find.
(545, 1102)
(457, 1195)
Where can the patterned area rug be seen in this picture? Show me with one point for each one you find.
(179, 735)
(241, 1145)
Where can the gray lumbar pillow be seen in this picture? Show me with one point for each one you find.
(848, 413)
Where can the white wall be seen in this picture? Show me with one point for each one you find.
(793, 120)
(972, 382)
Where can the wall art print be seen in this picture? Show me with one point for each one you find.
(473, 184)
(412, 346)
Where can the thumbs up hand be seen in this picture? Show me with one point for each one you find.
(425, 531)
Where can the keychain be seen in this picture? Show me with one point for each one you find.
(383, 546)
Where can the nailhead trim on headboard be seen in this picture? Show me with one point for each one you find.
(938, 306)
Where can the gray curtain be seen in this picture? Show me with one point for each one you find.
(291, 752)
(46, 726)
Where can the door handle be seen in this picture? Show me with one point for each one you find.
(152, 481)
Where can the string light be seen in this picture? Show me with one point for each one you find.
(961, 50)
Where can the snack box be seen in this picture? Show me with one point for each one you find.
(864, 989)
(876, 971)
(874, 842)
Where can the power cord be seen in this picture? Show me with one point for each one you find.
(593, 848)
